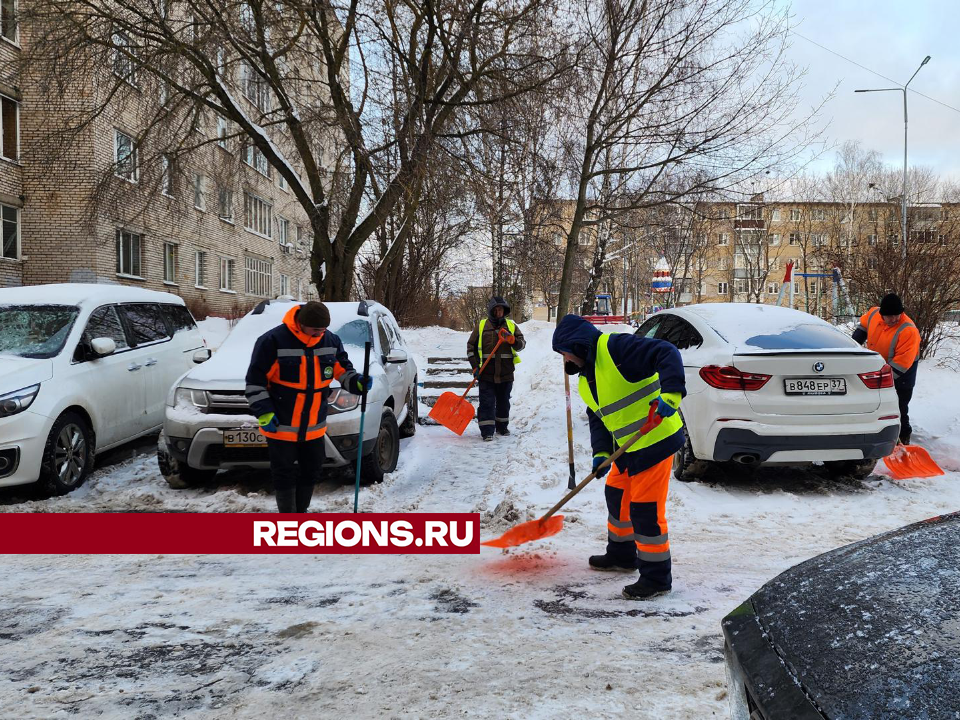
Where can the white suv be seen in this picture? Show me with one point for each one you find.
(771, 385)
(84, 368)
(208, 425)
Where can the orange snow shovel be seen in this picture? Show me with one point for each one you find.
(911, 461)
(551, 524)
(453, 411)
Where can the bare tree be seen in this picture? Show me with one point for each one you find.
(668, 104)
(330, 90)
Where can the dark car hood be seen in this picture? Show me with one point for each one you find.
(872, 629)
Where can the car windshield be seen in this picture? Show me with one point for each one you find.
(35, 331)
(355, 332)
(803, 337)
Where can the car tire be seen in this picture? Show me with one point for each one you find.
(178, 475)
(409, 426)
(686, 466)
(386, 451)
(856, 469)
(67, 455)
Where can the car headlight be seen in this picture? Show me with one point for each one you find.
(342, 401)
(187, 396)
(18, 400)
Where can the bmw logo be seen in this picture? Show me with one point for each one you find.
(818, 367)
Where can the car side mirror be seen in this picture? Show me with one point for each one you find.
(397, 356)
(201, 356)
(103, 346)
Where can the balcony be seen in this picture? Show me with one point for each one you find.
(748, 224)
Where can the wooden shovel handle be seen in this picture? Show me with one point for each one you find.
(472, 382)
(652, 421)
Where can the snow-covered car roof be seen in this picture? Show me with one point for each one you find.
(752, 326)
(82, 293)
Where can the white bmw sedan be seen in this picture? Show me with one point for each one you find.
(771, 385)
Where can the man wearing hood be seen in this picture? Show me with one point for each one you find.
(621, 376)
(290, 371)
(496, 381)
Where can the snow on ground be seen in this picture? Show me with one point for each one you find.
(525, 633)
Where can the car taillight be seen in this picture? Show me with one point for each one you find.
(878, 379)
(729, 378)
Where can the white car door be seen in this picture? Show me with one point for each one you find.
(154, 351)
(114, 382)
(393, 371)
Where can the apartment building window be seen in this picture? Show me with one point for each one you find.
(818, 239)
(819, 214)
(11, 232)
(794, 238)
(812, 287)
(282, 182)
(128, 253)
(796, 214)
(9, 128)
(845, 241)
(773, 288)
(226, 274)
(299, 288)
(284, 284)
(225, 204)
(257, 215)
(222, 131)
(8, 19)
(774, 239)
(741, 286)
(256, 159)
(258, 276)
(170, 263)
(124, 66)
(283, 234)
(125, 157)
(167, 171)
(200, 269)
(163, 94)
(871, 263)
(873, 215)
(255, 88)
(723, 263)
(723, 239)
(199, 199)
(723, 214)
(775, 215)
(872, 240)
(723, 288)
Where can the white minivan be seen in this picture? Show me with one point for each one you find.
(84, 368)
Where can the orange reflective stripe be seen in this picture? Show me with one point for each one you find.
(315, 409)
(298, 410)
(338, 370)
(316, 434)
(280, 435)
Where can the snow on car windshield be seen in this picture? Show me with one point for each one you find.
(35, 331)
(769, 327)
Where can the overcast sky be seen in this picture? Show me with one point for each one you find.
(890, 37)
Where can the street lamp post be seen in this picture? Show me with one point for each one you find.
(903, 199)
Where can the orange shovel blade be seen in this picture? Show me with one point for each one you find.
(453, 412)
(911, 461)
(527, 532)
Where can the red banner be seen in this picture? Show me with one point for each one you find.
(239, 533)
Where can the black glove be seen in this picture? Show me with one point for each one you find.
(476, 373)
(598, 460)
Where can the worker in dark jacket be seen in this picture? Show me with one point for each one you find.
(495, 383)
(621, 376)
(287, 387)
(888, 330)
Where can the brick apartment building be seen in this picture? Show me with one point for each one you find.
(217, 226)
(738, 252)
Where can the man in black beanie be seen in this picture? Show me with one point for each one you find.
(290, 369)
(886, 329)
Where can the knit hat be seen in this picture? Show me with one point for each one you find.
(314, 314)
(891, 304)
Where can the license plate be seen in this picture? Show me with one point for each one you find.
(815, 386)
(244, 438)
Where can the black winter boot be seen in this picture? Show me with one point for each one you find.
(607, 563)
(287, 501)
(644, 589)
(304, 496)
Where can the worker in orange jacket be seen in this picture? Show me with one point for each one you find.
(889, 331)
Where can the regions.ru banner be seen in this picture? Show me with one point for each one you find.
(239, 533)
